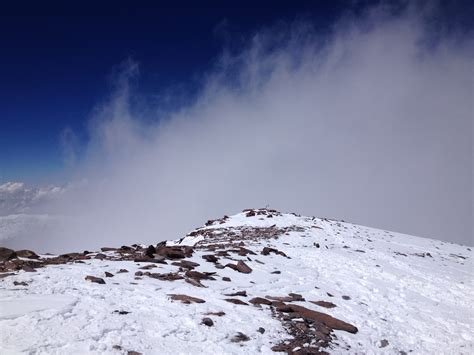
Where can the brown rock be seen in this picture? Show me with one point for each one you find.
(260, 300)
(94, 279)
(236, 301)
(239, 337)
(324, 304)
(326, 319)
(239, 293)
(240, 267)
(172, 276)
(217, 314)
(185, 298)
(194, 282)
(185, 264)
(199, 275)
(267, 251)
(211, 258)
(6, 254)
(27, 254)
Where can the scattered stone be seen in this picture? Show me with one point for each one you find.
(147, 267)
(239, 337)
(105, 249)
(383, 343)
(20, 283)
(99, 256)
(108, 274)
(175, 252)
(239, 293)
(329, 294)
(94, 279)
(185, 264)
(276, 272)
(157, 260)
(261, 330)
(200, 275)
(194, 282)
(217, 314)
(7, 254)
(240, 267)
(27, 254)
(172, 276)
(121, 271)
(324, 304)
(292, 297)
(185, 299)
(236, 301)
(211, 258)
(6, 274)
(131, 352)
(121, 312)
(150, 251)
(225, 278)
(260, 300)
(207, 321)
(117, 347)
(267, 251)
(346, 298)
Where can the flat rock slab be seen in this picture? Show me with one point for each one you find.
(185, 298)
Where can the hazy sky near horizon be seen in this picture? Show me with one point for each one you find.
(368, 120)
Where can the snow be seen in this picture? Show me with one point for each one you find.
(420, 304)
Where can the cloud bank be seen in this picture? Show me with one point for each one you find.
(371, 123)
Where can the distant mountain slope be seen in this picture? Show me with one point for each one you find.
(259, 281)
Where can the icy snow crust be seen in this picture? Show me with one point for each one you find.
(418, 303)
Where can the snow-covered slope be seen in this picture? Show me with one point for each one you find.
(386, 293)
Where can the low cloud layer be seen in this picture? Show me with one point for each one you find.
(371, 124)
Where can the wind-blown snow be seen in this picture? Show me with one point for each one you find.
(416, 293)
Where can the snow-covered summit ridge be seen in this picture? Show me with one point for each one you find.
(267, 281)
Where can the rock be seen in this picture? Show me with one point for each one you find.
(260, 300)
(324, 304)
(94, 279)
(292, 297)
(346, 298)
(383, 343)
(132, 352)
(6, 254)
(185, 264)
(175, 252)
(240, 267)
(267, 251)
(207, 321)
(261, 330)
(199, 275)
(108, 274)
(121, 312)
(185, 298)
(6, 274)
(276, 272)
(105, 249)
(121, 271)
(236, 301)
(218, 314)
(27, 254)
(239, 337)
(157, 260)
(239, 293)
(20, 283)
(211, 258)
(194, 282)
(28, 268)
(171, 276)
(148, 267)
(150, 251)
(100, 256)
(227, 279)
(326, 319)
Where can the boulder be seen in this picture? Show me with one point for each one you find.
(6, 254)
(27, 254)
(96, 280)
(240, 267)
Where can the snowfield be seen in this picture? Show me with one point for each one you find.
(405, 295)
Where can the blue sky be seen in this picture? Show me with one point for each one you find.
(57, 61)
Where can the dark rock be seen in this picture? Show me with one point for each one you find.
(194, 282)
(217, 314)
(276, 272)
(185, 299)
(225, 278)
(6, 274)
(156, 260)
(207, 321)
(150, 251)
(199, 275)
(175, 252)
(27, 254)
(28, 268)
(185, 264)
(94, 279)
(267, 251)
(100, 256)
(239, 337)
(346, 298)
(260, 300)
(121, 271)
(236, 301)
(240, 267)
(108, 274)
(239, 293)
(211, 258)
(324, 304)
(121, 312)
(7, 254)
(20, 283)
(261, 330)
(383, 343)
(172, 276)
(105, 249)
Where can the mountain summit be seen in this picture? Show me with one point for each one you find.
(259, 281)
